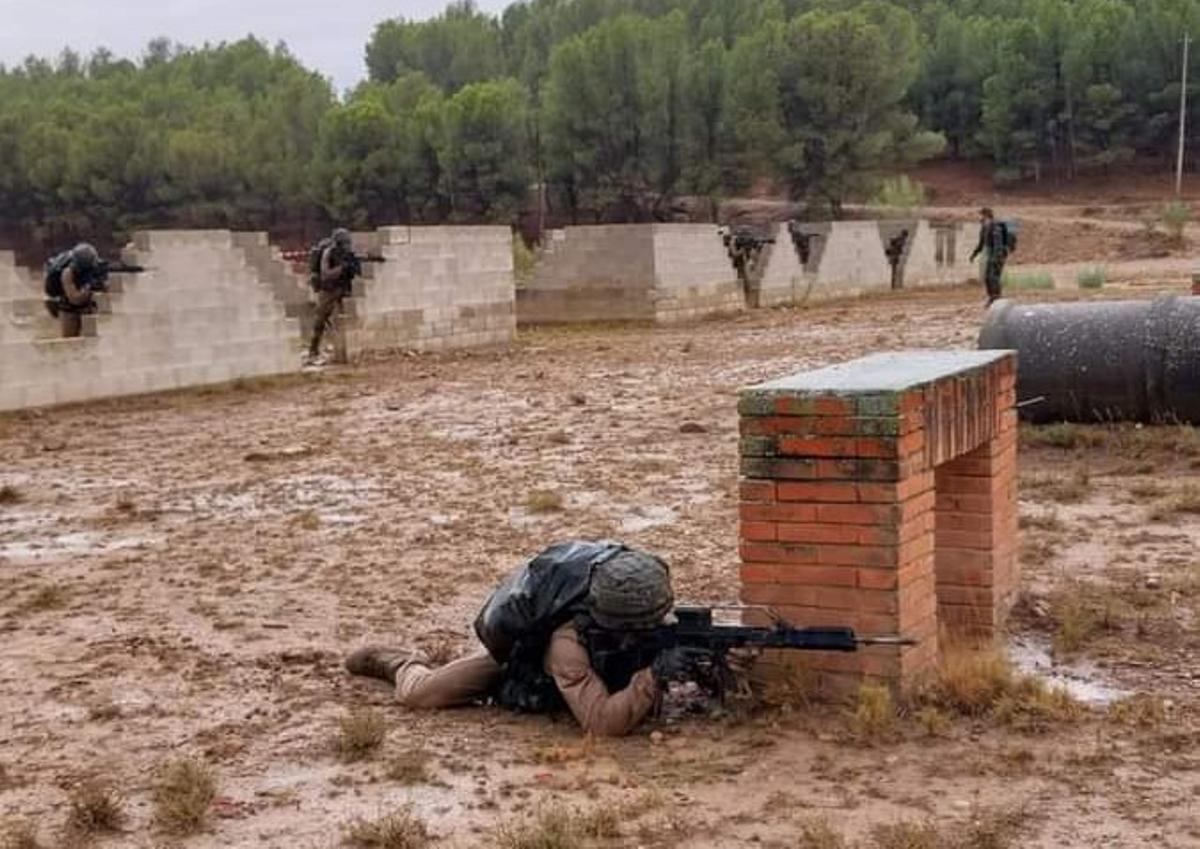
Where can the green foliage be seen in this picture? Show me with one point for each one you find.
(899, 194)
(616, 105)
(1031, 280)
(1092, 278)
(1175, 216)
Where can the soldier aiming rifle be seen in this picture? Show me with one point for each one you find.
(73, 278)
(333, 267)
(587, 626)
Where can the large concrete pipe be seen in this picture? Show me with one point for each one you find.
(1103, 360)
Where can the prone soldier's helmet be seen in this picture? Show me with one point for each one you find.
(341, 238)
(630, 591)
(84, 257)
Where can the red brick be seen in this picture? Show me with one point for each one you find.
(830, 405)
(966, 558)
(781, 594)
(965, 503)
(828, 491)
(818, 446)
(790, 573)
(962, 576)
(758, 531)
(778, 512)
(980, 597)
(756, 491)
(816, 533)
(878, 493)
(857, 555)
(961, 484)
(877, 579)
(963, 539)
(765, 552)
(857, 514)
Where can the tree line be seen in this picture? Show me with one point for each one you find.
(614, 108)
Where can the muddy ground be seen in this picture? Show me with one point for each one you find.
(182, 575)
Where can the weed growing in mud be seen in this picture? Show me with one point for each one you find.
(874, 712)
(543, 501)
(307, 520)
(1143, 710)
(1077, 624)
(906, 835)
(1185, 500)
(183, 795)
(10, 494)
(819, 834)
(410, 767)
(558, 826)
(1067, 489)
(95, 807)
(1092, 278)
(19, 834)
(990, 828)
(360, 733)
(1175, 217)
(399, 830)
(47, 598)
(1047, 520)
(1026, 281)
(982, 683)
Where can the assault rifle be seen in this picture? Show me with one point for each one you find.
(707, 644)
(98, 282)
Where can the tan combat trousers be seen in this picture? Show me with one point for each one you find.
(456, 683)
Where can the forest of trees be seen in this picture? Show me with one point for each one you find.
(615, 106)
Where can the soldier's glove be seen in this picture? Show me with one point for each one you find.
(677, 664)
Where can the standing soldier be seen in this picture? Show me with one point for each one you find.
(333, 268)
(71, 278)
(894, 253)
(996, 242)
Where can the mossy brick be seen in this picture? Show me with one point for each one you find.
(882, 404)
(756, 403)
(758, 446)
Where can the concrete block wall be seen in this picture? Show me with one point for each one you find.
(440, 287)
(592, 273)
(631, 272)
(693, 276)
(201, 315)
(847, 258)
(881, 494)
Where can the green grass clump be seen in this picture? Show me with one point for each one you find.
(1092, 278)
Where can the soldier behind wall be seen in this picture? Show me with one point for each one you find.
(71, 279)
(332, 269)
(895, 252)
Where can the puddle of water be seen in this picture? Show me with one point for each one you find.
(76, 543)
(643, 518)
(1082, 680)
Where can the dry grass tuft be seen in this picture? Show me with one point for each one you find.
(819, 834)
(51, 597)
(360, 733)
(1142, 710)
(874, 712)
(10, 494)
(982, 683)
(410, 767)
(1077, 624)
(1046, 520)
(988, 828)
(183, 795)
(19, 834)
(307, 520)
(399, 830)
(1185, 500)
(558, 826)
(95, 807)
(543, 501)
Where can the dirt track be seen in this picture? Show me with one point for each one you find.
(218, 552)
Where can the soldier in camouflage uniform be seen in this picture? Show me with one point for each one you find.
(993, 243)
(623, 591)
(332, 280)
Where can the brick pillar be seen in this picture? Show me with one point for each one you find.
(840, 501)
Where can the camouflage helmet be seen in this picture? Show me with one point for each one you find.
(84, 256)
(341, 237)
(632, 590)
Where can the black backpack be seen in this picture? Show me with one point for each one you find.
(55, 266)
(315, 253)
(1008, 233)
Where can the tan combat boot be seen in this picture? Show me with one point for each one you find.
(382, 661)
